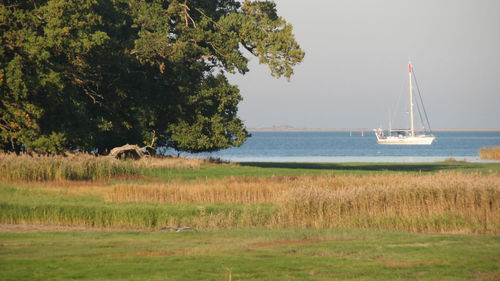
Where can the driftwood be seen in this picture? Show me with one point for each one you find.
(176, 229)
(148, 150)
(128, 151)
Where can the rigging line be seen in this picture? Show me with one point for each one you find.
(420, 115)
(422, 101)
(395, 106)
(422, 120)
(420, 104)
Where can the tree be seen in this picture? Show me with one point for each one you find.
(95, 74)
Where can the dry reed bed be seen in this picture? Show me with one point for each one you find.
(272, 190)
(81, 167)
(443, 202)
(490, 153)
(468, 208)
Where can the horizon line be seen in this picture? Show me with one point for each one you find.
(293, 129)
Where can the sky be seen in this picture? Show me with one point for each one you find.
(355, 68)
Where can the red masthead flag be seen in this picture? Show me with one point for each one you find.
(409, 67)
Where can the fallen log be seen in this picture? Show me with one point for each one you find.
(128, 151)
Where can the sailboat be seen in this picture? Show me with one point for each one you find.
(407, 136)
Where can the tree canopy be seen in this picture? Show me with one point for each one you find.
(90, 75)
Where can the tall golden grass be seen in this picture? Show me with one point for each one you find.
(81, 167)
(490, 153)
(412, 208)
(270, 190)
(443, 202)
(440, 202)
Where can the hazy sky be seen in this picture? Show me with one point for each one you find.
(355, 64)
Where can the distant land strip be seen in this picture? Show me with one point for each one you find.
(293, 129)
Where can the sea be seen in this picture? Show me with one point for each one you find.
(354, 147)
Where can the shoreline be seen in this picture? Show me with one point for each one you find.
(360, 159)
(292, 129)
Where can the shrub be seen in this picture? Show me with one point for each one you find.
(490, 153)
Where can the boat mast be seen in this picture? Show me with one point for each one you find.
(412, 130)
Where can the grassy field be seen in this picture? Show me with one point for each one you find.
(253, 221)
(269, 169)
(90, 168)
(445, 202)
(255, 254)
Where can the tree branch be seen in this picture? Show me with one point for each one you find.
(87, 90)
(186, 14)
(209, 18)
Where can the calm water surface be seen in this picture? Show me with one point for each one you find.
(342, 147)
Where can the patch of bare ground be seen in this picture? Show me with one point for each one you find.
(408, 264)
(487, 276)
(497, 258)
(56, 228)
(286, 242)
(155, 254)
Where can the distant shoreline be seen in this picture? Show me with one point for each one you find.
(292, 129)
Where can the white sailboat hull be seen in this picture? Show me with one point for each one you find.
(406, 140)
(406, 136)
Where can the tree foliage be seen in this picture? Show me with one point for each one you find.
(95, 74)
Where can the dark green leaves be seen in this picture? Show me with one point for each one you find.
(95, 74)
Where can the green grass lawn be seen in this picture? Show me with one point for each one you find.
(248, 254)
(29, 204)
(267, 169)
(233, 253)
